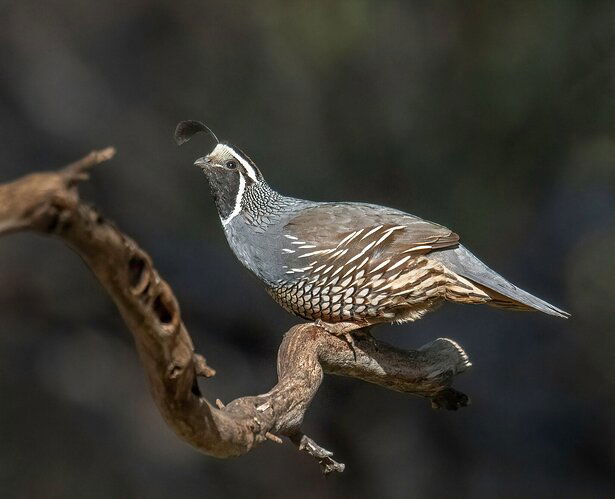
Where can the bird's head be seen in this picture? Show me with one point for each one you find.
(229, 171)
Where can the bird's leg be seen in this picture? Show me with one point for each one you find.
(343, 330)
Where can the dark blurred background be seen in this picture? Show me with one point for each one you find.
(496, 119)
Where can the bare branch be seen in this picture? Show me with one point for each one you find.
(49, 203)
(323, 456)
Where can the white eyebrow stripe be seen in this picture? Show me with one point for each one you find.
(248, 167)
(237, 209)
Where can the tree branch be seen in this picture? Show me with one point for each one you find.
(49, 203)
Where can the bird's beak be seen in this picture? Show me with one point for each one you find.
(202, 162)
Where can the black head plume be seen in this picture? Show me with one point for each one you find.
(186, 129)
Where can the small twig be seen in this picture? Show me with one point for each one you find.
(201, 368)
(273, 438)
(322, 455)
(78, 169)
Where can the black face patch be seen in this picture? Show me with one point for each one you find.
(224, 185)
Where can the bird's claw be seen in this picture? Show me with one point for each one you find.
(340, 332)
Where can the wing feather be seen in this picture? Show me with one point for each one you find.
(355, 224)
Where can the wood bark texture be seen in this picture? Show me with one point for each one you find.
(49, 203)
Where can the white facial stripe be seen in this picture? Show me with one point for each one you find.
(248, 167)
(218, 149)
(237, 209)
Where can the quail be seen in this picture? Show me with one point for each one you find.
(345, 265)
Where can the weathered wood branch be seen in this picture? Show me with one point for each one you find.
(49, 203)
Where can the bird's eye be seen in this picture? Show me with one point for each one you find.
(231, 164)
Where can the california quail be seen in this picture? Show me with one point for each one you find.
(347, 265)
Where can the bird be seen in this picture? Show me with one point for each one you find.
(345, 265)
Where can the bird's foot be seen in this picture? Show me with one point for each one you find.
(342, 330)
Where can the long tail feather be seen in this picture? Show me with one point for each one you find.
(503, 293)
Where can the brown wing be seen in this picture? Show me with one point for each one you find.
(349, 224)
(350, 261)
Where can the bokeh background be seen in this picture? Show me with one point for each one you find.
(496, 119)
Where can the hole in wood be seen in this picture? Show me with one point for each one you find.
(143, 295)
(195, 388)
(162, 310)
(53, 223)
(136, 266)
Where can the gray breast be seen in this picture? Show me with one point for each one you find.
(260, 244)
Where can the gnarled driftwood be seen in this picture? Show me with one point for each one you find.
(49, 203)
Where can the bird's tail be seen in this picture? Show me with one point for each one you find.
(502, 292)
(518, 299)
